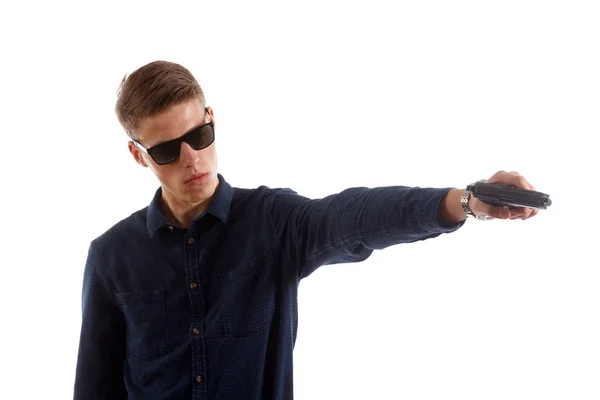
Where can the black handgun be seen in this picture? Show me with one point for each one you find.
(510, 196)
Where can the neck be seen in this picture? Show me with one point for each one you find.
(181, 213)
(177, 218)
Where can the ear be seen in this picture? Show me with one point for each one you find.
(137, 154)
(211, 113)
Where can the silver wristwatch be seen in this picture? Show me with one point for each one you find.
(464, 202)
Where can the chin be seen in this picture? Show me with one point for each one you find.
(200, 192)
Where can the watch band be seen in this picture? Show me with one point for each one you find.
(464, 202)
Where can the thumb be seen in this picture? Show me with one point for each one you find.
(479, 207)
(499, 212)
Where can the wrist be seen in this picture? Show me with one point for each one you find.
(451, 210)
(467, 201)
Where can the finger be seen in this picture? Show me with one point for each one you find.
(520, 178)
(499, 176)
(511, 178)
(517, 211)
(525, 212)
(534, 212)
(520, 212)
(528, 213)
(498, 212)
(522, 183)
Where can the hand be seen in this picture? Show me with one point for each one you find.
(478, 207)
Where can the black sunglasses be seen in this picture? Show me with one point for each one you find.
(167, 152)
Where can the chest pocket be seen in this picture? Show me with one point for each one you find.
(146, 324)
(249, 295)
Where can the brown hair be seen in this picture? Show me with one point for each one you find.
(151, 89)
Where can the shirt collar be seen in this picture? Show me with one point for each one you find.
(219, 206)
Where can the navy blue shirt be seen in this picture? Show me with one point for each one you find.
(211, 312)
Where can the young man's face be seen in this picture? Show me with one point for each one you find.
(175, 176)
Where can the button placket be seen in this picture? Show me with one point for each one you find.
(193, 285)
(195, 293)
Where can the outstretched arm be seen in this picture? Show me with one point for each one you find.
(350, 225)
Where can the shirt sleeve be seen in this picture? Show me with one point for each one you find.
(99, 373)
(350, 225)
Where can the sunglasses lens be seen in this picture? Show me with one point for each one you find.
(165, 153)
(201, 137)
(198, 139)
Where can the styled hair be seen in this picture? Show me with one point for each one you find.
(151, 89)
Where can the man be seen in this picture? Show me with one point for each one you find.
(195, 296)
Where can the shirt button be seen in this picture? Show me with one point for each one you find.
(199, 379)
(190, 241)
(196, 331)
(170, 228)
(193, 285)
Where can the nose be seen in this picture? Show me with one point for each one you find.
(188, 155)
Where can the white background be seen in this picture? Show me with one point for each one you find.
(320, 96)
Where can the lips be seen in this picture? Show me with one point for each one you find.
(194, 177)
